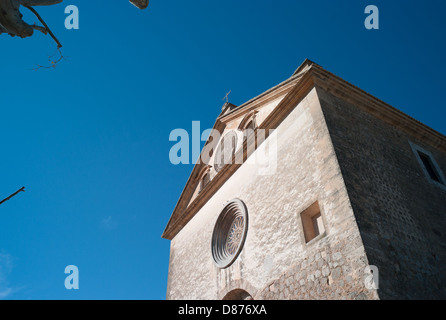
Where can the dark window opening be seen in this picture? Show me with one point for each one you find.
(238, 295)
(312, 222)
(429, 166)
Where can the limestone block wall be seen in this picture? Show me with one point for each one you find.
(275, 262)
(400, 214)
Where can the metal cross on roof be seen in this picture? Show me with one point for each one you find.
(227, 96)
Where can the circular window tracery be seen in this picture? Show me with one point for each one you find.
(229, 233)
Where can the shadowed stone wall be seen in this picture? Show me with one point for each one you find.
(401, 215)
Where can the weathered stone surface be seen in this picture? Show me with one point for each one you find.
(377, 208)
(307, 171)
(398, 211)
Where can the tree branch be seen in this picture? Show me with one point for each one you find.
(59, 45)
(53, 62)
(14, 194)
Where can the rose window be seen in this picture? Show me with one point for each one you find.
(229, 233)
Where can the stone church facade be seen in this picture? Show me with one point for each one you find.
(351, 202)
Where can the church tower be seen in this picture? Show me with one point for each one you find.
(312, 190)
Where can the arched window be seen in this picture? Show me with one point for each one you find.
(251, 125)
(248, 122)
(248, 125)
(204, 177)
(205, 180)
(225, 151)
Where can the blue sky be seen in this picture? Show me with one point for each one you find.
(90, 139)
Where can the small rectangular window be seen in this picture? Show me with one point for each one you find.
(312, 222)
(429, 166)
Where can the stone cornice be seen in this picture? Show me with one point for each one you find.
(376, 107)
(271, 94)
(191, 184)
